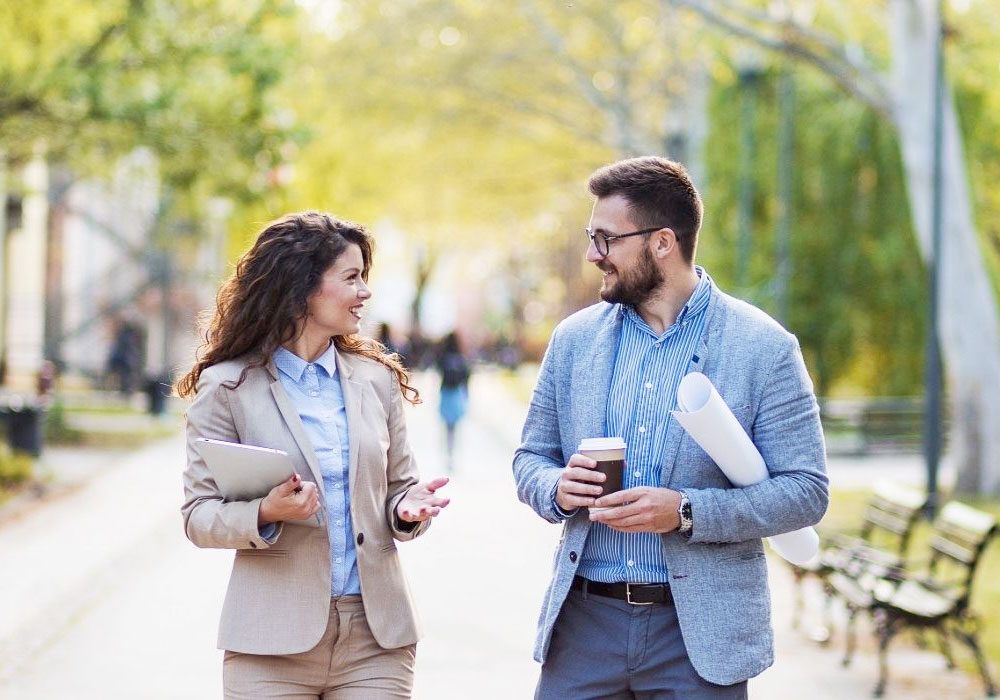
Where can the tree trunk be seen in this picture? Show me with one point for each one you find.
(969, 332)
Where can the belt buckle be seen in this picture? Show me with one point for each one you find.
(628, 596)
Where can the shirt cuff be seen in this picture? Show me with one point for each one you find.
(269, 533)
(562, 514)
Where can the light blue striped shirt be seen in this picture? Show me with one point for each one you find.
(315, 391)
(648, 369)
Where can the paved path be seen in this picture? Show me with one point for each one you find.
(101, 596)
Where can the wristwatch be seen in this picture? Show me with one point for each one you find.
(684, 511)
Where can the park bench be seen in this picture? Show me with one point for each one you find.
(879, 545)
(936, 599)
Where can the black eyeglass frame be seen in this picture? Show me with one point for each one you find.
(608, 238)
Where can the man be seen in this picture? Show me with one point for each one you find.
(698, 624)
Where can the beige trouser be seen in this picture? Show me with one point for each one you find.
(346, 664)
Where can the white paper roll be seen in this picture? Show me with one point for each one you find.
(710, 423)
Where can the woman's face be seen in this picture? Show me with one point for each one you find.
(335, 307)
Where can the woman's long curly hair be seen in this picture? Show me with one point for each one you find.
(261, 307)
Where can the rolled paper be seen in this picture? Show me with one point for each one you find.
(710, 423)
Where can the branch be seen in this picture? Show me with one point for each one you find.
(555, 41)
(857, 80)
(834, 47)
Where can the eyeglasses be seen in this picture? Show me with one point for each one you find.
(602, 241)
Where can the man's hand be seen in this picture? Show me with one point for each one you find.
(642, 509)
(420, 503)
(579, 484)
(290, 500)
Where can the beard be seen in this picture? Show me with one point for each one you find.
(633, 286)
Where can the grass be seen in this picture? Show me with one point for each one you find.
(519, 383)
(15, 471)
(845, 515)
(60, 429)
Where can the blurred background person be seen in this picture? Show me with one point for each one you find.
(385, 337)
(127, 356)
(454, 395)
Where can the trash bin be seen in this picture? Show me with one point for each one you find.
(24, 429)
(157, 391)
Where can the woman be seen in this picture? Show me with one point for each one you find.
(310, 611)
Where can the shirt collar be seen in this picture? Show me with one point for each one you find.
(696, 303)
(293, 366)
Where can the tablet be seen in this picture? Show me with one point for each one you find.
(245, 472)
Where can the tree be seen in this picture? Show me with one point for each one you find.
(903, 95)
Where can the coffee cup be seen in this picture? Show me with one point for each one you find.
(610, 455)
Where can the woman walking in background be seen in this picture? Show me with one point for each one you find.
(310, 612)
(454, 398)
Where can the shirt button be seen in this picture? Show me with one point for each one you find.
(631, 563)
(637, 473)
(339, 560)
(340, 523)
(311, 368)
(649, 385)
(642, 428)
(314, 393)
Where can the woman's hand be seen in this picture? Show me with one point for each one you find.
(420, 503)
(290, 500)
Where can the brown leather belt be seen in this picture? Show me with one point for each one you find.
(634, 593)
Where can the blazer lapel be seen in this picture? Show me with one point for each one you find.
(294, 423)
(597, 365)
(352, 390)
(675, 432)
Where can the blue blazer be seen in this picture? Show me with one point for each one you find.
(718, 576)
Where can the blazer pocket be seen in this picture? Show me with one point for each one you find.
(743, 417)
(262, 552)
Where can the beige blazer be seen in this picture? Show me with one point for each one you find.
(278, 599)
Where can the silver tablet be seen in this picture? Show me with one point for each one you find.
(246, 472)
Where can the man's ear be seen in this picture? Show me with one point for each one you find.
(664, 242)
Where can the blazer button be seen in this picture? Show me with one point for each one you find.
(361, 538)
(572, 556)
(253, 545)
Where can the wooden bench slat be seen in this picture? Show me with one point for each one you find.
(968, 518)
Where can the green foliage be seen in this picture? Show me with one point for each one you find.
(58, 430)
(857, 290)
(975, 72)
(15, 468)
(191, 80)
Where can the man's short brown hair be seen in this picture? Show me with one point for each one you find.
(659, 193)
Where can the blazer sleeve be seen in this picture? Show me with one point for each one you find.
(208, 521)
(538, 462)
(401, 467)
(787, 432)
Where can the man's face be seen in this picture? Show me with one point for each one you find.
(630, 271)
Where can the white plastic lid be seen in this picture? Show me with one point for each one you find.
(602, 443)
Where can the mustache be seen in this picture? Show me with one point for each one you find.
(605, 266)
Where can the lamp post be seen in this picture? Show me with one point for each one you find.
(750, 71)
(932, 408)
(783, 233)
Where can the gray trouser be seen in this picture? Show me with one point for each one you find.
(606, 648)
